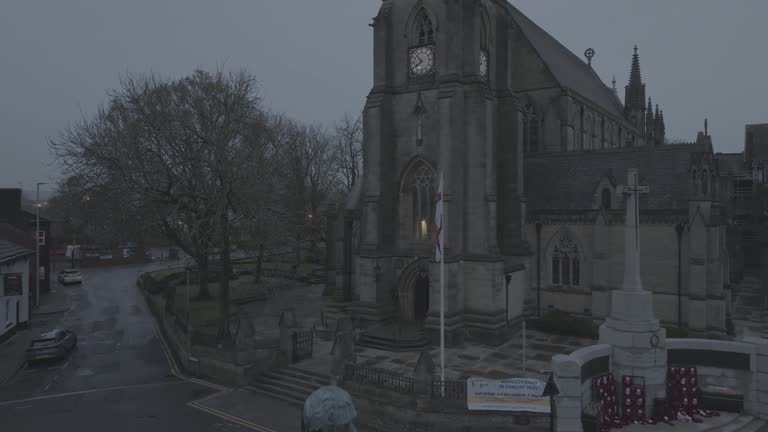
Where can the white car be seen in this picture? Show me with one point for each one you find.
(70, 276)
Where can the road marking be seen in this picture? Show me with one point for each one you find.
(233, 419)
(82, 392)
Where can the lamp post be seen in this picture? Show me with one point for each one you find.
(679, 229)
(551, 390)
(538, 269)
(37, 247)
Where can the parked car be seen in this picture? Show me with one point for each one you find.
(55, 344)
(70, 276)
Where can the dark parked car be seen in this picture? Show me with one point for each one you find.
(55, 344)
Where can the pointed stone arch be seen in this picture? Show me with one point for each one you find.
(421, 19)
(417, 200)
(413, 290)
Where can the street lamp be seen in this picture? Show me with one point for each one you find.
(38, 204)
(551, 390)
(538, 268)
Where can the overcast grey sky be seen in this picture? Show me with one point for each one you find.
(699, 58)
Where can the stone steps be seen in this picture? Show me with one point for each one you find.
(291, 384)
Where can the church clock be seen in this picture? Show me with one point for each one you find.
(422, 60)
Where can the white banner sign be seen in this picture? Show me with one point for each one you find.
(515, 394)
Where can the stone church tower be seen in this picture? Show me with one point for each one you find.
(529, 141)
(441, 103)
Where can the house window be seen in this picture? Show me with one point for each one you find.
(565, 263)
(41, 238)
(606, 198)
(12, 284)
(417, 203)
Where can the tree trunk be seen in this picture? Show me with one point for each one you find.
(224, 275)
(202, 278)
(259, 260)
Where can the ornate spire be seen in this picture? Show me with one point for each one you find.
(634, 75)
(662, 127)
(649, 119)
(657, 125)
(635, 90)
(613, 86)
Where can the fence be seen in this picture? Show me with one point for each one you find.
(449, 390)
(303, 344)
(382, 379)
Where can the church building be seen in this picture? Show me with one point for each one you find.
(532, 146)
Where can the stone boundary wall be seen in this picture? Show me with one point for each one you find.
(233, 369)
(738, 365)
(731, 364)
(573, 375)
(385, 411)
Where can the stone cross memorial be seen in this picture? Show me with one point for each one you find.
(631, 192)
(632, 329)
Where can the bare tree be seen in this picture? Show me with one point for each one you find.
(348, 153)
(182, 149)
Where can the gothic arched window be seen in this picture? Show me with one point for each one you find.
(565, 263)
(417, 203)
(704, 183)
(582, 130)
(531, 129)
(484, 51)
(694, 183)
(422, 32)
(590, 138)
(606, 198)
(421, 50)
(610, 137)
(603, 138)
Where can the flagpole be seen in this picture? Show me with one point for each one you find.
(442, 293)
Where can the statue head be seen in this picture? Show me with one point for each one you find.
(328, 409)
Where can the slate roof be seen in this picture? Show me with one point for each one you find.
(10, 250)
(568, 68)
(568, 181)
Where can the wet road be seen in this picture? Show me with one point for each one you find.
(117, 379)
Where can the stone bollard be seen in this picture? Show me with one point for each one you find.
(342, 354)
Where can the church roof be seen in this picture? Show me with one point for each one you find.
(567, 181)
(567, 68)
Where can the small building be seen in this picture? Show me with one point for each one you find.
(15, 264)
(12, 213)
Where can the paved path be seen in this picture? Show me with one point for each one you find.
(119, 379)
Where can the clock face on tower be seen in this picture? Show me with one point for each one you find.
(484, 64)
(422, 61)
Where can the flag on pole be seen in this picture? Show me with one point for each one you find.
(439, 223)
